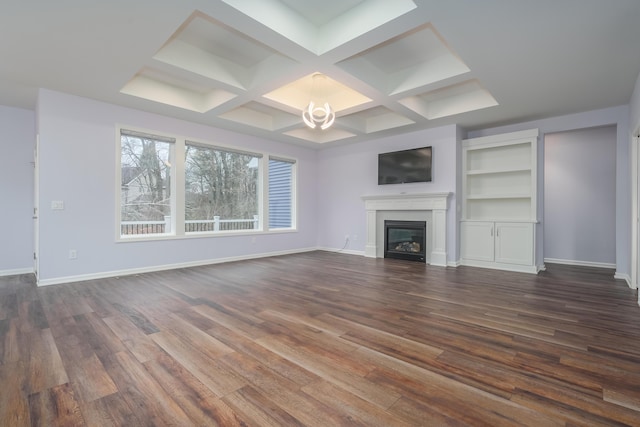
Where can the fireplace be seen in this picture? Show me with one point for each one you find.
(405, 240)
(429, 207)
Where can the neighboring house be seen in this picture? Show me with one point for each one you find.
(132, 185)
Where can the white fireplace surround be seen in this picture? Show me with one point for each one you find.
(434, 204)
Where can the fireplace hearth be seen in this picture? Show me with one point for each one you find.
(405, 240)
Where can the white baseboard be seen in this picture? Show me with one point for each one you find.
(531, 269)
(341, 251)
(454, 263)
(16, 272)
(128, 272)
(580, 263)
(626, 278)
(620, 276)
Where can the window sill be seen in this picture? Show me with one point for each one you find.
(201, 235)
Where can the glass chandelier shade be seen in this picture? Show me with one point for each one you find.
(318, 112)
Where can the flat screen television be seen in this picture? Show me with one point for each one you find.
(400, 167)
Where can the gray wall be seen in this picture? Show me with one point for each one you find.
(16, 190)
(580, 197)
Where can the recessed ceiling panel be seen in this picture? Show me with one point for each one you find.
(221, 41)
(456, 99)
(297, 94)
(360, 20)
(375, 120)
(407, 51)
(191, 58)
(316, 26)
(159, 87)
(320, 13)
(318, 136)
(261, 116)
(213, 50)
(413, 60)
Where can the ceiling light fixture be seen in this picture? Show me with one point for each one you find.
(318, 112)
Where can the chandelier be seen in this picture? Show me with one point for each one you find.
(318, 112)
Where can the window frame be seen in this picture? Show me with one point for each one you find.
(165, 137)
(178, 180)
(259, 187)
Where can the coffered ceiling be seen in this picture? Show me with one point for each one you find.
(390, 66)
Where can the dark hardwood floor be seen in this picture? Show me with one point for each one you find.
(322, 339)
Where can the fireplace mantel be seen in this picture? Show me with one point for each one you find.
(434, 202)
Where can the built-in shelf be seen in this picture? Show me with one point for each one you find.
(499, 178)
(499, 201)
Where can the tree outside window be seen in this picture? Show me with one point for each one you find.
(145, 196)
(221, 189)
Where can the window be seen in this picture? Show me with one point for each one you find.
(145, 183)
(280, 193)
(174, 187)
(221, 189)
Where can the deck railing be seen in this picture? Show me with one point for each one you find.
(142, 227)
(191, 226)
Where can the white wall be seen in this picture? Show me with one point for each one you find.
(580, 196)
(17, 142)
(346, 173)
(618, 116)
(78, 157)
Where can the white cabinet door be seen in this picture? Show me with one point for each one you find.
(477, 240)
(514, 243)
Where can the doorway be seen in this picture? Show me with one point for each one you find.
(580, 197)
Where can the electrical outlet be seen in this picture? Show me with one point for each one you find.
(73, 254)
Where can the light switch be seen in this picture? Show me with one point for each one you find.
(57, 205)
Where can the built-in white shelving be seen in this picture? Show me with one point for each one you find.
(499, 201)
